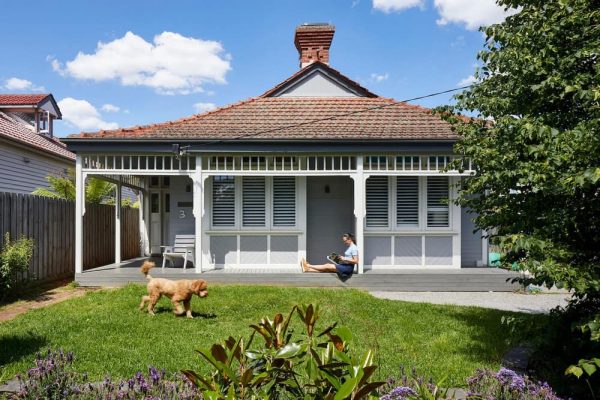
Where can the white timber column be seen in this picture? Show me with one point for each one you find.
(455, 210)
(118, 221)
(143, 220)
(359, 211)
(198, 184)
(79, 211)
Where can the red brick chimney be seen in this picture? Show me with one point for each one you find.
(313, 42)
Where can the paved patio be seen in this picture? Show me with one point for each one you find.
(399, 280)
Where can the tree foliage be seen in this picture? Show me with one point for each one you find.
(97, 191)
(536, 143)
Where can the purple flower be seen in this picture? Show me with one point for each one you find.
(154, 375)
(400, 393)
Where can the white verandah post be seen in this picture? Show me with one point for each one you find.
(79, 211)
(198, 204)
(118, 221)
(359, 211)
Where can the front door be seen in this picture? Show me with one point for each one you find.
(330, 214)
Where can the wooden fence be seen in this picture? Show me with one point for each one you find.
(51, 224)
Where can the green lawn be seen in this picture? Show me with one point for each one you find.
(109, 335)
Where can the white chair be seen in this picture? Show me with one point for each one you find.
(182, 247)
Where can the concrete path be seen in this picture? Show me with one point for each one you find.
(519, 302)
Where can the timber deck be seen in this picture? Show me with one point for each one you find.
(399, 280)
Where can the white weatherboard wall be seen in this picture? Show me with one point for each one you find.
(22, 171)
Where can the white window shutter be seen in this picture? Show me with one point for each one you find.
(284, 201)
(253, 201)
(437, 202)
(377, 201)
(223, 201)
(407, 201)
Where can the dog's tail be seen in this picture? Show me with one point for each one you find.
(146, 266)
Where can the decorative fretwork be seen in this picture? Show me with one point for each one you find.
(137, 163)
(413, 163)
(254, 163)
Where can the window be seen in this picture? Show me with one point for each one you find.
(223, 201)
(407, 201)
(253, 201)
(412, 202)
(263, 202)
(284, 201)
(437, 202)
(377, 201)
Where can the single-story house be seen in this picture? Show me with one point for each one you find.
(29, 151)
(266, 181)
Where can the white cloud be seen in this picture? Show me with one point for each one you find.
(203, 107)
(379, 77)
(172, 64)
(472, 14)
(110, 108)
(469, 80)
(388, 6)
(83, 115)
(22, 84)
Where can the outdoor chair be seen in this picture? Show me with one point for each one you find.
(183, 247)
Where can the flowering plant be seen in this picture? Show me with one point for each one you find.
(507, 385)
(53, 378)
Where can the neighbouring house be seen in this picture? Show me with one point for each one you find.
(29, 152)
(266, 181)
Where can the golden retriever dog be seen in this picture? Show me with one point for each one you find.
(177, 291)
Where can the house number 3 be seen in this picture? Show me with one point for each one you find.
(181, 214)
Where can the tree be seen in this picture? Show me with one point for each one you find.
(536, 144)
(63, 187)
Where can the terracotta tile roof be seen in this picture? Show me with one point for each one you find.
(21, 99)
(12, 129)
(298, 118)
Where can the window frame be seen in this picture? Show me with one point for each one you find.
(238, 225)
(393, 225)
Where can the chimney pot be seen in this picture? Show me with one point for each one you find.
(313, 42)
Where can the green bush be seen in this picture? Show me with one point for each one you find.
(14, 258)
(308, 365)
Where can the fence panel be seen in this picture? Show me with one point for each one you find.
(51, 224)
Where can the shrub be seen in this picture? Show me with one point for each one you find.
(54, 378)
(309, 365)
(14, 258)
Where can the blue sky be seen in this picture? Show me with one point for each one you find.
(157, 59)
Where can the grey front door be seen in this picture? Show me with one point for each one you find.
(330, 213)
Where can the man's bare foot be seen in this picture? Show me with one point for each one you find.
(304, 265)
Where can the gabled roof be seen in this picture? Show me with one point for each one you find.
(33, 100)
(309, 69)
(12, 129)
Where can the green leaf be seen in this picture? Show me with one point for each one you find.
(588, 367)
(288, 351)
(574, 370)
(346, 389)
